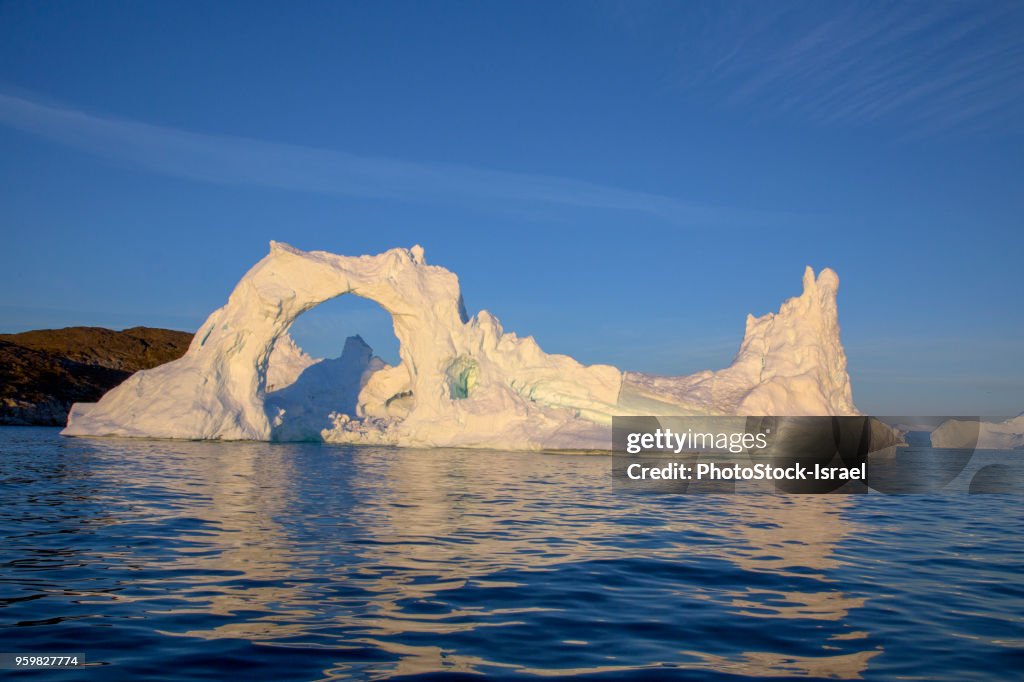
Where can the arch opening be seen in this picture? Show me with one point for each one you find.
(321, 331)
(319, 368)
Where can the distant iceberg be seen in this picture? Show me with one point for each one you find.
(461, 382)
(983, 435)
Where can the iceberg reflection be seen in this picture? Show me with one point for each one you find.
(414, 561)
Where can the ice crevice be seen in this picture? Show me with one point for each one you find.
(461, 381)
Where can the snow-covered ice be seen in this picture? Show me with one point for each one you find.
(461, 381)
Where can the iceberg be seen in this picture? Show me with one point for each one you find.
(460, 382)
(983, 435)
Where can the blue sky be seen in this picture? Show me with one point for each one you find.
(624, 181)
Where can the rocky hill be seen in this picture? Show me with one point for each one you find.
(43, 372)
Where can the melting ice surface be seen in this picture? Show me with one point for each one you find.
(461, 381)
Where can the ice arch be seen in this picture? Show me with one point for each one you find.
(461, 382)
(216, 391)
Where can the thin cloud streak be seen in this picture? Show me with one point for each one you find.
(242, 161)
(929, 67)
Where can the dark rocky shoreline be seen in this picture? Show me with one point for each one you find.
(43, 372)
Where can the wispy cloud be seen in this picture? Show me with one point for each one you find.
(242, 161)
(928, 67)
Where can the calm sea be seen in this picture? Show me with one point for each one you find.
(167, 560)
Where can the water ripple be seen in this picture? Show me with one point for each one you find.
(207, 560)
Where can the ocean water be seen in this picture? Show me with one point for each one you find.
(182, 560)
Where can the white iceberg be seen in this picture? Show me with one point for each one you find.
(971, 434)
(461, 382)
